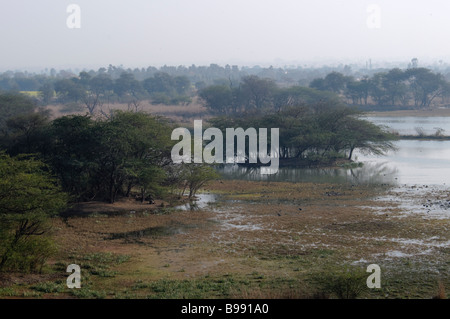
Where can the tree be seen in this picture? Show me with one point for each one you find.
(393, 82)
(217, 98)
(318, 84)
(46, 93)
(164, 88)
(106, 158)
(25, 133)
(425, 84)
(72, 154)
(160, 83)
(361, 134)
(12, 105)
(69, 90)
(29, 195)
(149, 178)
(127, 85)
(181, 84)
(334, 82)
(98, 90)
(358, 91)
(257, 92)
(195, 176)
(377, 89)
(318, 133)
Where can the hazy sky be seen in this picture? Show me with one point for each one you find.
(137, 33)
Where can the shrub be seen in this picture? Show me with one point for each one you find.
(30, 254)
(347, 283)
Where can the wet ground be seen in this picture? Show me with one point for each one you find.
(267, 239)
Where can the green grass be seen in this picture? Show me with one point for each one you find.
(50, 287)
(98, 264)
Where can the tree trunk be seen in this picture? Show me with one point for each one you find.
(350, 154)
(142, 195)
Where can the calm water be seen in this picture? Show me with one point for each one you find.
(408, 125)
(414, 163)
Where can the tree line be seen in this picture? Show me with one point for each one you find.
(411, 88)
(258, 95)
(199, 76)
(94, 91)
(414, 87)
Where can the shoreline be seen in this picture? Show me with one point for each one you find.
(411, 113)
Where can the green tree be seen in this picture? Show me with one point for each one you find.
(217, 98)
(149, 178)
(355, 133)
(161, 83)
(98, 89)
(394, 85)
(257, 92)
(26, 133)
(70, 90)
(182, 84)
(317, 133)
(29, 195)
(194, 176)
(377, 89)
(358, 91)
(334, 82)
(127, 85)
(72, 154)
(426, 85)
(46, 93)
(105, 159)
(12, 105)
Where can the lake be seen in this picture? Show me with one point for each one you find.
(416, 162)
(409, 125)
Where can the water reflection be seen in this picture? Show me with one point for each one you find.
(199, 202)
(371, 173)
(415, 162)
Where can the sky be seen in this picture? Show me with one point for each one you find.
(35, 34)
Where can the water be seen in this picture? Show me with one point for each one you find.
(200, 201)
(416, 162)
(407, 125)
(376, 173)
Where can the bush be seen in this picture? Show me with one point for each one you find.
(347, 283)
(29, 255)
(29, 196)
